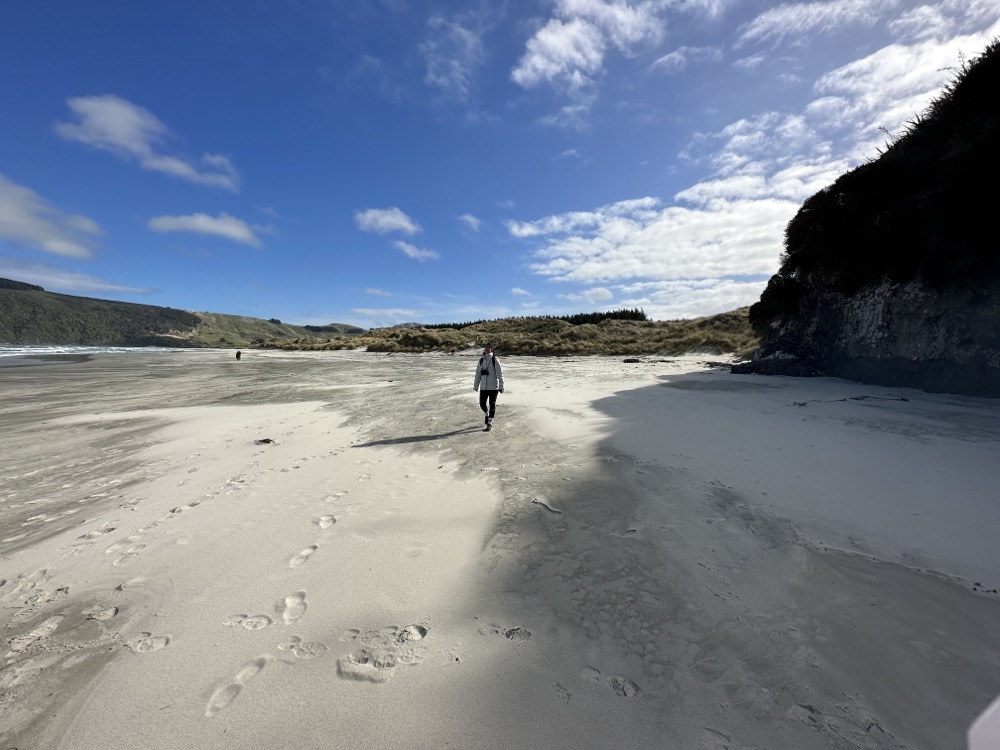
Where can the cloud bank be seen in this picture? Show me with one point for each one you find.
(223, 225)
(110, 123)
(26, 219)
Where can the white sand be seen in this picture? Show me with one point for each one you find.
(649, 555)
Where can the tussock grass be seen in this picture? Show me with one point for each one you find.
(727, 333)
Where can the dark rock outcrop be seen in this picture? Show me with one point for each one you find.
(891, 275)
(943, 341)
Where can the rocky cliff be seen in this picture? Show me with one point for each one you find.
(891, 275)
(943, 341)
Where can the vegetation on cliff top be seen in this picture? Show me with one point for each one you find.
(922, 211)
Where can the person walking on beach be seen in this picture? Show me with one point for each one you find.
(489, 382)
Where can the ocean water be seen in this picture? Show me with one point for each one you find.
(41, 350)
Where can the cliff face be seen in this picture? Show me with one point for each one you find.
(892, 334)
(892, 274)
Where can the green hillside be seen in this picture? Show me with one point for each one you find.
(30, 315)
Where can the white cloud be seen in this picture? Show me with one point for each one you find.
(417, 253)
(60, 280)
(678, 60)
(378, 292)
(795, 183)
(593, 296)
(472, 222)
(631, 240)
(750, 64)
(131, 132)
(715, 247)
(575, 221)
(453, 54)
(518, 292)
(385, 312)
(689, 298)
(374, 317)
(222, 225)
(923, 22)
(26, 219)
(386, 220)
(624, 23)
(798, 20)
(571, 116)
(568, 51)
(971, 15)
(886, 89)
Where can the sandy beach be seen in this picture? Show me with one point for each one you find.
(325, 550)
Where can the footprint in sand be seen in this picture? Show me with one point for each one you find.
(21, 642)
(364, 477)
(305, 650)
(412, 633)
(302, 556)
(99, 613)
(225, 695)
(324, 522)
(25, 583)
(250, 622)
(516, 634)
(623, 686)
(378, 653)
(128, 554)
(293, 607)
(148, 643)
(99, 532)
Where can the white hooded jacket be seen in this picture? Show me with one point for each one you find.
(493, 379)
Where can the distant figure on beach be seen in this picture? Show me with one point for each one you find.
(238, 355)
(489, 375)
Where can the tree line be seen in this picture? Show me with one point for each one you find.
(578, 319)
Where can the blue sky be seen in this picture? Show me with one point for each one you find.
(380, 162)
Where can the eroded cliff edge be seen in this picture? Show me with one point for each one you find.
(891, 274)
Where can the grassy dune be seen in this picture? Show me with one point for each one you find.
(718, 334)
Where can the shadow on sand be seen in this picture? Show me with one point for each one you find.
(418, 438)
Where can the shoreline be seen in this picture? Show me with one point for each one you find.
(629, 560)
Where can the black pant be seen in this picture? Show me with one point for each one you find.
(492, 397)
